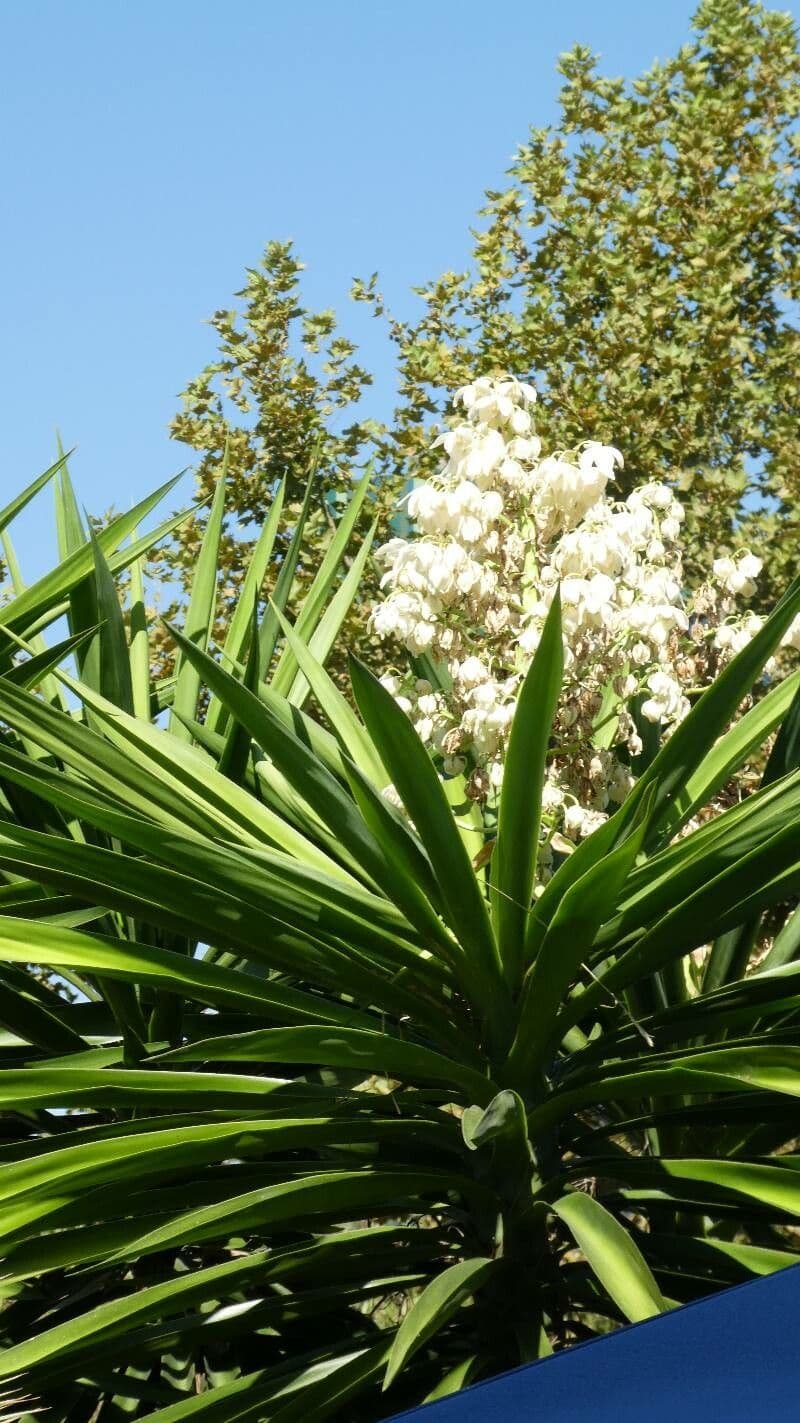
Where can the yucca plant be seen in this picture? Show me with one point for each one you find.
(340, 1116)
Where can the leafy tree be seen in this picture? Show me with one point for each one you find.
(270, 407)
(642, 266)
(286, 374)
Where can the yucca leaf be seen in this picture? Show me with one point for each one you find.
(408, 869)
(325, 633)
(34, 643)
(691, 741)
(116, 1317)
(674, 873)
(311, 609)
(767, 1069)
(746, 1260)
(784, 758)
(268, 632)
(281, 935)
(568, 939)
(104, 1086)
(587, 853)
(732, 750)
(517, 848)
(237, 745)
(33, 671)
(293, 1015)
(50, 609)
(71, 532)
(44, 596)
(245, 1398)
(27, 1210)
(731, 952)
(612, 1255)
(115, 669)
(460, 1376)
(201, 610)
(325, 746)
(711, 1182)
(157, 770)
(337, 709)
(435, 1307)
(84, 611)
(32, 1020)
(54, 947)
(139, 652)
(323, 1398)
(329, 1195)
(310, 780)
(770, 992)
(420, 790)
(15, 506)
(272, 919)
(368, 1052)
(269, 879)
(768, 874)
(786, 944)
(237, 640)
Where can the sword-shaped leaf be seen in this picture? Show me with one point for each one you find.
(517, 848)
(613, 1256)
(435, 1307)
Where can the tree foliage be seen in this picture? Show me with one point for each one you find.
(286, 374)
(271, 406)
(641, 266)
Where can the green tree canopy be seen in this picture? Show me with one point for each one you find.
(271, 406)
(641, 267)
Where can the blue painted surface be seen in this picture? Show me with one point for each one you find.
(732, 1358)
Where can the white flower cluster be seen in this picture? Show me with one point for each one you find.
(738, 575)
(500, 528)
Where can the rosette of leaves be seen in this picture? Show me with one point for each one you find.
(340, 1115)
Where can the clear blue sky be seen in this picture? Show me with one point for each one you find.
(150, 148)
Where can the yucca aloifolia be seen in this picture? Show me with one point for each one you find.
(332, 1120)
